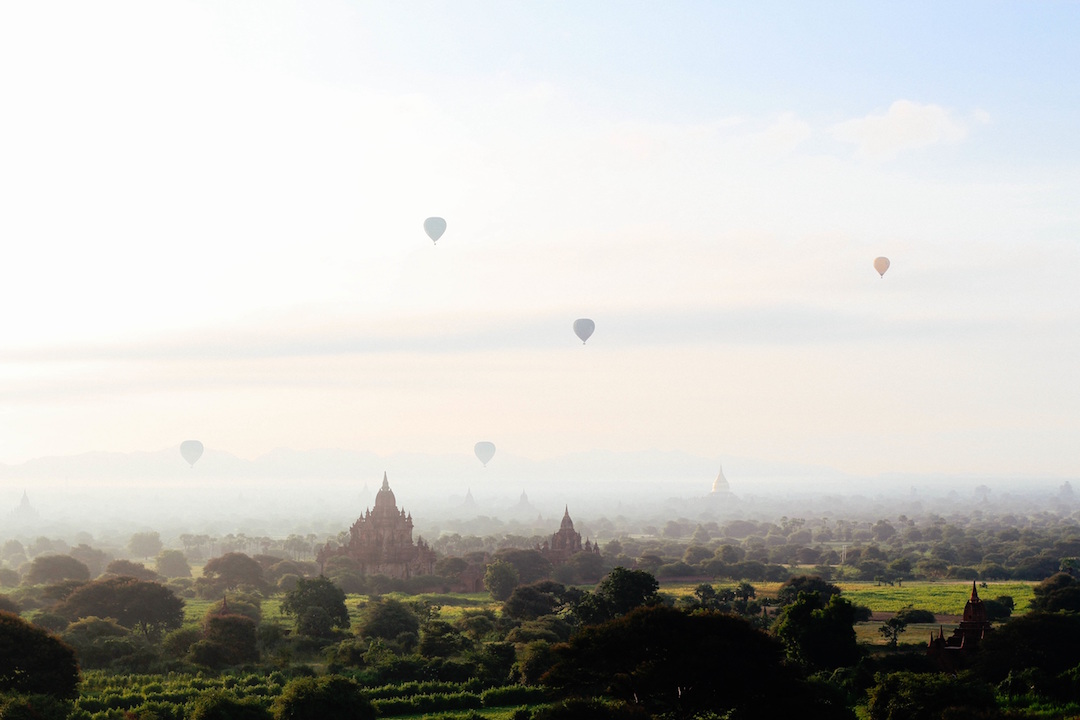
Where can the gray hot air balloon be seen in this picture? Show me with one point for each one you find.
(881, 264)
(434, 227)
(583, 328)
(191, 450)
(484, 452)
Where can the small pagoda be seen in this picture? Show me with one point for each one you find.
(951, 652)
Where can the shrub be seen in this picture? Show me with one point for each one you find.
(320, 698)
(217, 705)
(33, 707)
(914, 615)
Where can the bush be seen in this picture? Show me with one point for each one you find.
(326, 697)
(33, 707)
(913, 615)
(513, 695)
(217, 705)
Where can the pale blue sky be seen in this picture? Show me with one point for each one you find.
(212, 218)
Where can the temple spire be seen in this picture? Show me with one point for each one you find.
(974, 593)
(385, 482)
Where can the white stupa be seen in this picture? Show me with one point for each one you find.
(720, 484)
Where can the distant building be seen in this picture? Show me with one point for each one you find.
(951, 652)
(24, 511)
(381, 541)
(566, 543)
(720, 484)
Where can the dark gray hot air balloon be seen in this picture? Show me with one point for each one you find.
(191, 450)
(583, 328)
(484, 452)
(434, 227)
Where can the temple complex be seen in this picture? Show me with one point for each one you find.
(380, 541)
(951, 651)
(566, 543)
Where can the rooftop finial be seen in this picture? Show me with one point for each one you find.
(385, 483)
(974, 592)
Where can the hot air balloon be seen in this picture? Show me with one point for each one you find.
(881, 264)
(484, 452)
(434, 227)
(583, 328)
(191, 450)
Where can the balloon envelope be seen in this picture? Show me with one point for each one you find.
(583, 328)
(484, 452)
(881, 264)
(191, 450)
(434, 227)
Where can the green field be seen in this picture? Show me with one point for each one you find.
(940, 598)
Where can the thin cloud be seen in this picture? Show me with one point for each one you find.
(769, 325)
(905, 126)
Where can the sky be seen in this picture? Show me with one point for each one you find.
(211, 216)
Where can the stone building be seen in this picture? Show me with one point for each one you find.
(25, 512)
(380, 541)
(566, 543)
(950, 652)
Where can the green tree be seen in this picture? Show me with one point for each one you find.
(127, 568)
(145, 544)
(451, 567)
(500, 579)
(1035, 640)
(103, 644)
(149, 607)
(227, 640)
(893, 628)
(55, 568)
(793, 587)
(685, 665)
(321, 698)
(172, 564)
(531, 566)
(33, 662)
(8, 577)
(1060, 591)
(820, 635)
(317, 593)
(439, 638)
(745, 591)
(94, 559)
(617, 594)
(528, 602)
(389, 618)
(928, 696)
(586, 567)
(228, 572)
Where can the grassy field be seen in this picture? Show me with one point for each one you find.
(941, 598)
(868, 633)
(452, 605)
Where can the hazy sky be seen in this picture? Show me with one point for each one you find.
(211, 219)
